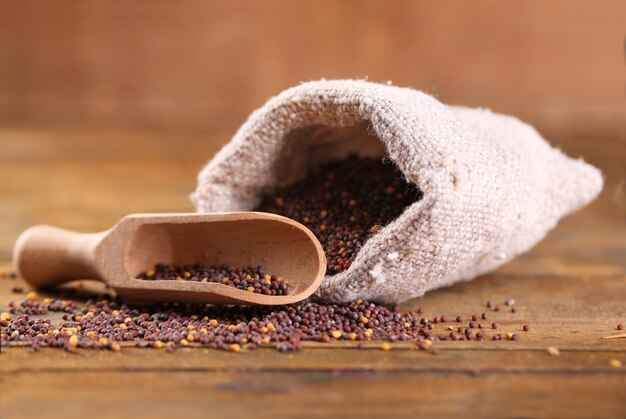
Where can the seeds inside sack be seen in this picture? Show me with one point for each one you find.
(344, 203)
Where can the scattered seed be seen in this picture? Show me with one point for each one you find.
(553, 351)
(620, 327)
(526, 328)
(615, 363)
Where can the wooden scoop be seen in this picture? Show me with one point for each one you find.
(46, 256)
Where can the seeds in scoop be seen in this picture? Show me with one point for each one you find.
(251, 279)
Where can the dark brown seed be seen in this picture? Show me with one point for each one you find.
(620, 326)
(494, 325)
(344, 214)
(526, 328)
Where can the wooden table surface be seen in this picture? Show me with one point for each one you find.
(571, 289)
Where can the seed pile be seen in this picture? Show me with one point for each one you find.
(251, 279)
(106, 323)
(343, 203)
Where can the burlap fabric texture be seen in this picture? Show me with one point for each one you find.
(493, 187)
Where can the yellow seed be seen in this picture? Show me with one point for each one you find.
(79, 318)
(248, 276)
(352, 336)
(250, 289)
(158, 344)
(264, 329)
(184, 342)
(194, 317)
(368, 332)
(427, 342)
(191, 337)
(615, 363)
(225, 280)
(187, 274)
(205, 280)
(406, 325)
(179, 278)
(265, 340)
(15, 333)
(32, 296)
(336, 334)
(47, 301)
(213, 323)
(385, 346)
(89, 314)
(204, 330)
(244, 340)
(234, 347)
(270, 326)
(115, 313)
(205, 318)
(364, 320)
(323, 213)
(509, 335)
(91, 334)
(5, 316)
(123, 326)
(267, 277)
(116, 347)
(359, 301)
(323, 227)
(55, 332)
(78, 328)
(553, 351)
(102, 341)
(150, 273)
(73, 341)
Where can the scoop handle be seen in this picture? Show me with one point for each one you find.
(45, 255)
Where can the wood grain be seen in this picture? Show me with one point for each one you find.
(571, 290)
(558, 63)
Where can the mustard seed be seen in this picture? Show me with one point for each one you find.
(526, 328)
(251, 279)
(343, 221)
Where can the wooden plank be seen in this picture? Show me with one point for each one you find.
(488, 359)
(570, 288)
(312, 394)
(211, 63)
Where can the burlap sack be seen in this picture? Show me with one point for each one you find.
(493, 187)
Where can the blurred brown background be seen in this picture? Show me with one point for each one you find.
(109, 86)
(207, 64)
